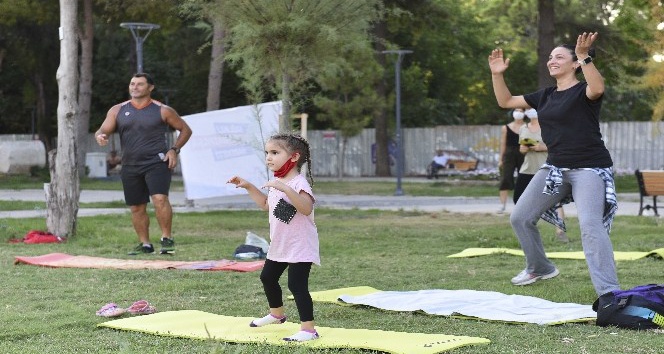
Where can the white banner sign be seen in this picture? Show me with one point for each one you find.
(226, 143)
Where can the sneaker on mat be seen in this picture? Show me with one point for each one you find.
(525, 278)
(302, 336)
(167, 245)
(142, 249)
(267, 320)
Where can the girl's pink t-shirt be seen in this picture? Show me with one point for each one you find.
(296, 241)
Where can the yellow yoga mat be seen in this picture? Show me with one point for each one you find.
(202, 325)
(618, 255)
(332, 296)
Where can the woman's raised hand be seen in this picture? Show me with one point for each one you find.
(497, 63)
(583, 43)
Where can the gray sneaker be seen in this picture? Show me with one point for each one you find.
(525, 278)
(141, 249)
(167, 246)
(562, 236)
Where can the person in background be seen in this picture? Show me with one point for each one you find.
(510, 159)
(440, 160)
(293, 234)
(534, 151)
(113, 161)
(578, 167)
(147, 161)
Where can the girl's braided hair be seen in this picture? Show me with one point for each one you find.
(296, 143)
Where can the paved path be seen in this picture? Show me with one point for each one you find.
(628, 203)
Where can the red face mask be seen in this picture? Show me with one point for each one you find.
(285, 168)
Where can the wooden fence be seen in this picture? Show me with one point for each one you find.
(633, 145)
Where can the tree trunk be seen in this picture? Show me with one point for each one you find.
(63, 191)
(42, 119)
(85, 85)
(380, 118)
(285, 118)
(216, 65)
(545, 32)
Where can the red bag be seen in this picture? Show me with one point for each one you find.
(36, 236)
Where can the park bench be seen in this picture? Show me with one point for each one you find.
(459, 162)
(651, 184)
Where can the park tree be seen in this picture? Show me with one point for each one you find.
(286, 43)
(86, 38)
(654, 45)
(212, 15)
(347, 97)
(63, 191)
(545, 36)
(28, 42)
(441, 80)
(215, 77)
(444, 80)
(516, 26)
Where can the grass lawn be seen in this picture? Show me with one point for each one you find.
(477, 186)
(45, 310)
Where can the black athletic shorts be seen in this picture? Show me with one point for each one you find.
(141, 181)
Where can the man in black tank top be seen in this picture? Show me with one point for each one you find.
(147, 160)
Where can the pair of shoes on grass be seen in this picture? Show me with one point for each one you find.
(525, 278)
(167, 247)
(140, 307)
(300, 336)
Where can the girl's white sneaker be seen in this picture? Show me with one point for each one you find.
(267, 320)
(302, 336)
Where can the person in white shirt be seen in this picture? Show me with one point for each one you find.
(440, 160)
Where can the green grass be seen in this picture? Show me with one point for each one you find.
(477, 186)
(46, 310)
(7, 205)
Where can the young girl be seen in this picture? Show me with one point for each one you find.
(293, 233)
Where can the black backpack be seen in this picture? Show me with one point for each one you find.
(641, 307)
(249, 252)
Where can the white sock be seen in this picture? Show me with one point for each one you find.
(269, 319)
(302, 336)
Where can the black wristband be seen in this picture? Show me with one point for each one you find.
(585, 61)
(176, 149)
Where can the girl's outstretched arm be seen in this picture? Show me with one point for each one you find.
(258, 197)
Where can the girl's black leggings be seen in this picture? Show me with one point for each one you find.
(298, 284)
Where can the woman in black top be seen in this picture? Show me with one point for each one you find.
(578, 166)
(511, 158)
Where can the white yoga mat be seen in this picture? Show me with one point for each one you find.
(486, 305)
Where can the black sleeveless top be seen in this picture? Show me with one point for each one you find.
(512, 138)
(142, 133)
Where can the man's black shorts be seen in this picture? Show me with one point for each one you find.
(141, 181)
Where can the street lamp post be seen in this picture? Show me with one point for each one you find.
(397, 75)
(136, 28)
